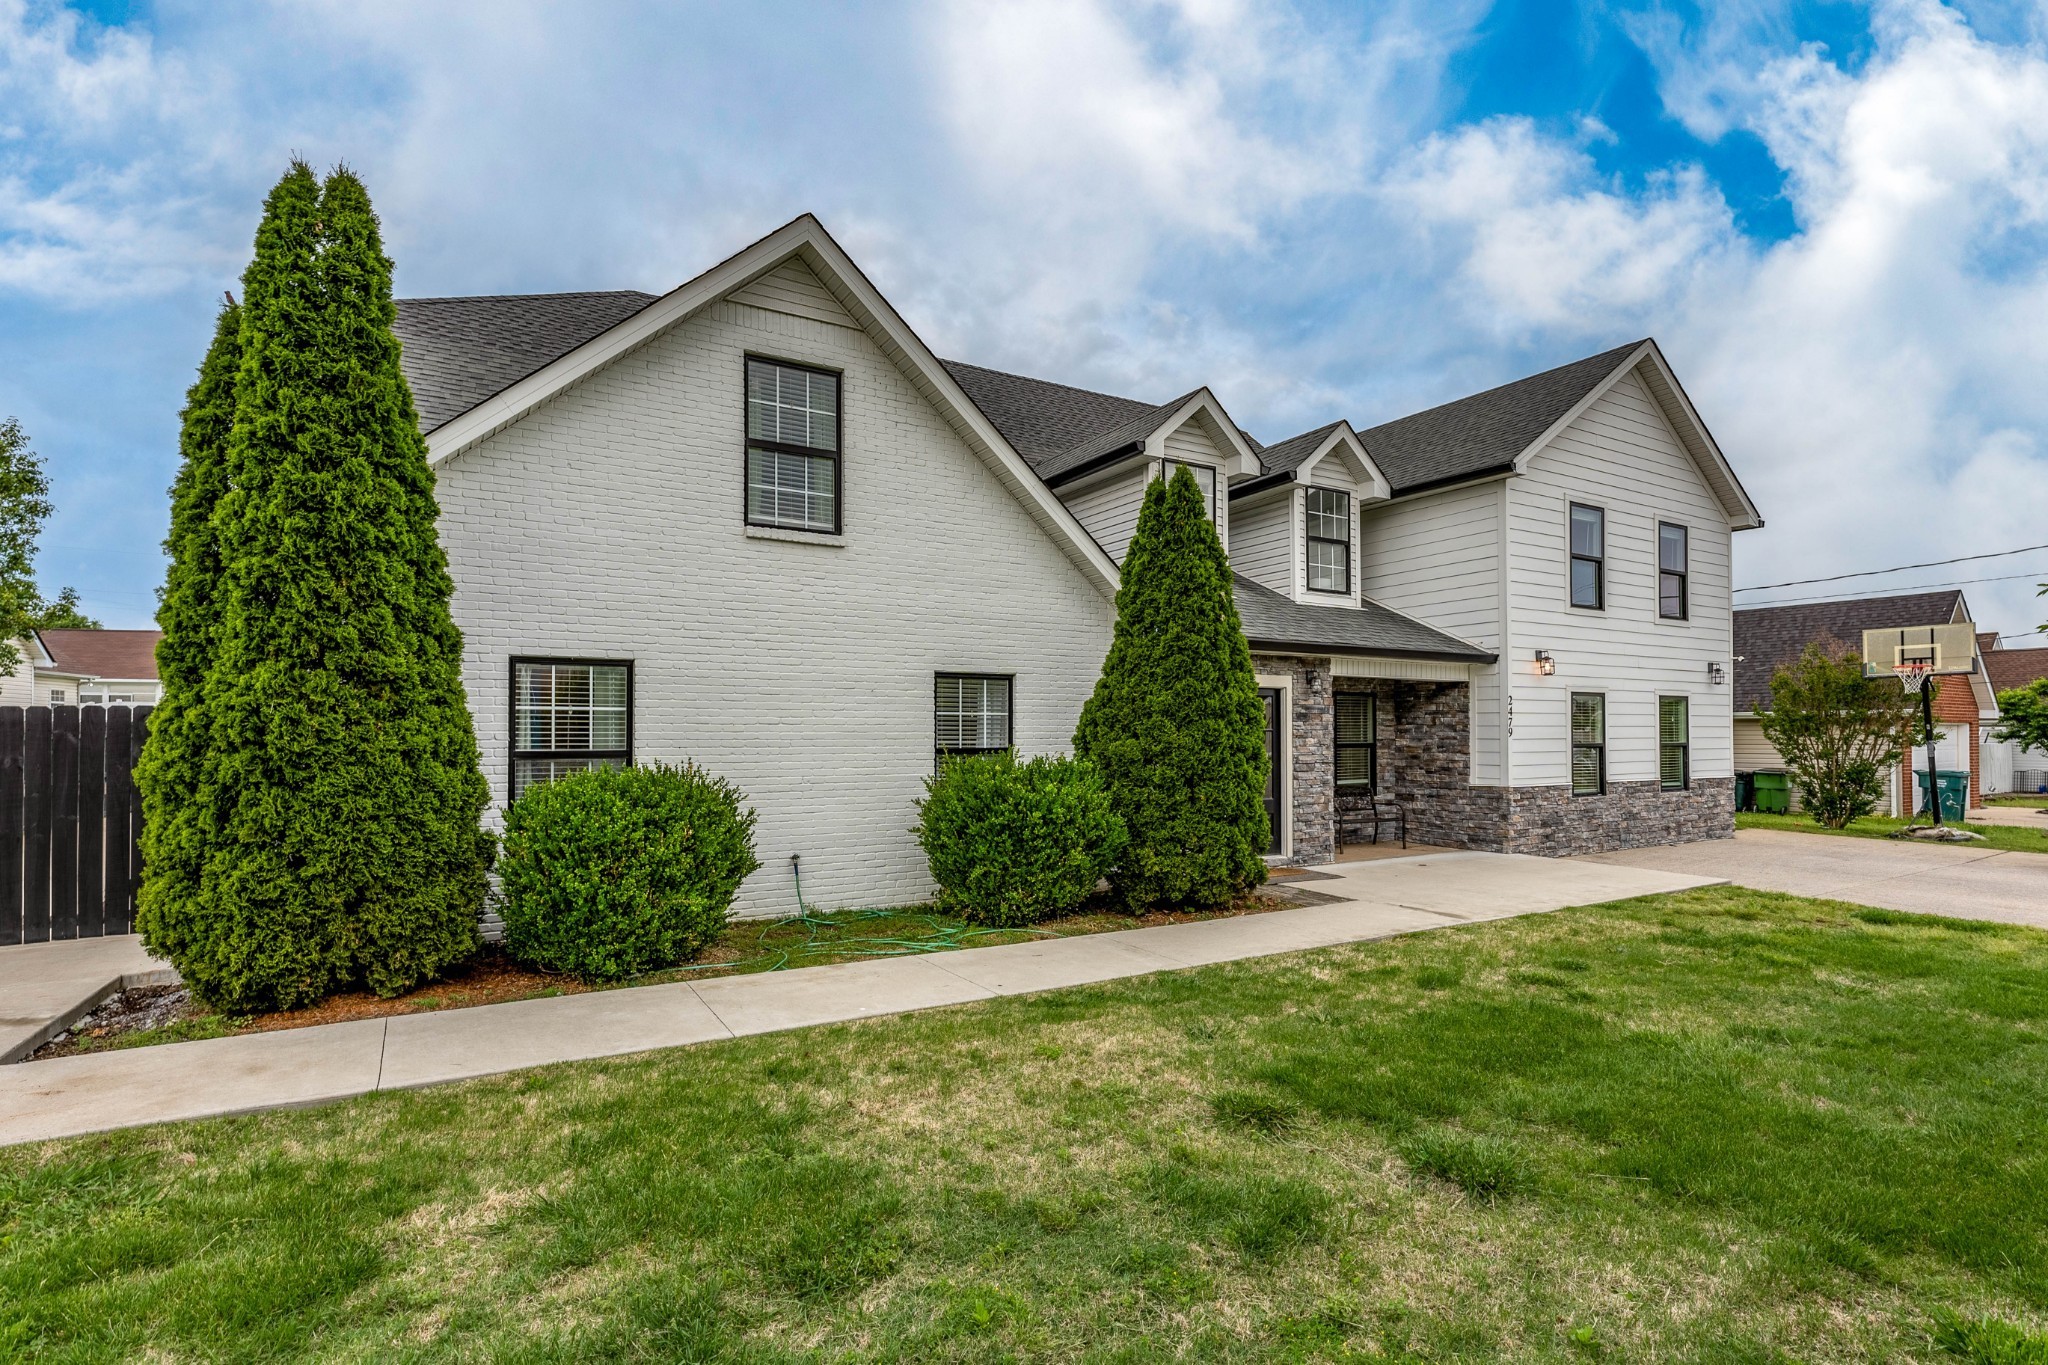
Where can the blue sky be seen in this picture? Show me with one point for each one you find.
(1834, 217)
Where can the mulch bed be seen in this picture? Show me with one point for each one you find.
(492, 978)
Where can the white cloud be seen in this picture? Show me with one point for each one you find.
(1876, 376)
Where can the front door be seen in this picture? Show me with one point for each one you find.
(1276, 755)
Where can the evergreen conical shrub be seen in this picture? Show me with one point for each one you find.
(174, 830)
(341, 768)
(1175, 725)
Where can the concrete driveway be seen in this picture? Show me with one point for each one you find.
(1969, 883)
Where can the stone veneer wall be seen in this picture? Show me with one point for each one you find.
(1552, 822)
(1425, 762)
(1313, 740)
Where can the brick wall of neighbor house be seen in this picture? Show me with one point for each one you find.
(1551, 822)
(608, 524)
(1313, 753)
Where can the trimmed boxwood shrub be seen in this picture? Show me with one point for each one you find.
(1013, 843)
(617, 871)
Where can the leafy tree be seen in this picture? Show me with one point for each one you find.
(338, 790)
(2023, 713)
(174, 829)
(1175, 726)
(24, 506)
(1839, 732)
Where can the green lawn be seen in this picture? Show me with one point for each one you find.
(1720, 1126)
(2012, 838)
(2033, 799)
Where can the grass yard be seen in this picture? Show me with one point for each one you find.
(2010, 838)
(1720, 1126)
(2032, 799)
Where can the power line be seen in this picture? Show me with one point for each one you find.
(1922, 587)
(1896, 568)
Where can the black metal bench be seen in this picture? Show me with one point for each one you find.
(1374, 818)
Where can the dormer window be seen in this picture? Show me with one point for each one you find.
(1329, 540)
(1205, 479)
(793, 468)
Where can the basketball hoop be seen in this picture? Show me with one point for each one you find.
(1914, 673)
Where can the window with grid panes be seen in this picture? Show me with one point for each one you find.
(793, 464)
(1329, 540)
(971, 714)
(568, 715)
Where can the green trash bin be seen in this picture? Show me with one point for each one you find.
(1773, 792)
(1955, 790)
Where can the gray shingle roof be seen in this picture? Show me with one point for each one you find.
(1273, 622)
(1288, 454)
(1056, 427)
(1768, 637)
(458, 352)
(1484, 433)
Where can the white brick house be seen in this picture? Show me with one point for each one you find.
(754, 522)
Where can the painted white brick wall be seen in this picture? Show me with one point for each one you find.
(607, 524)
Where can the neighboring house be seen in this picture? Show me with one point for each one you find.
(755, 523)
(1766, 638)
(2006, 766)
(84, 667)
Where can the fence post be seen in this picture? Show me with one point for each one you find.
(92, 822)
(13, 926)
(35, 822)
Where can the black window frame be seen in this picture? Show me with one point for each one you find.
(939, 751)
(1310, 539)
(1598, 561)
(748, 445)
(1338, 744)
(1684, 746)
(1599, 748)
(515, 754)
(1683, 573)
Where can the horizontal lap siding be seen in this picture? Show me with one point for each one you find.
(1190, 444)
(608, 524)
(1620, 455)
(1108, 510)
(1262, 542)
(1437, 557)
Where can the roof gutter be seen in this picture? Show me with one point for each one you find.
(1454, 481)
(1323, 648)
(1261, 483)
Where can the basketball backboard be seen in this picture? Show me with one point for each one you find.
(1950, 648)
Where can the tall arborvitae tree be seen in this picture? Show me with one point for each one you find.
(174, 832)
(340, 765)
(1175, 725)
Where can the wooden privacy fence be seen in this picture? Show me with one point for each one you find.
(70, 822)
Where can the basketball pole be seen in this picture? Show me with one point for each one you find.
(1927, 723)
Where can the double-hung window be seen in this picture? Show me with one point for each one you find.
(1672, 571)
(1357, 740)
(971, 714)
(793, 465)
(1589, 557)
(568, 715)
(1329, 540)
(1589, 743)
(1674, 743)
(1205, 479)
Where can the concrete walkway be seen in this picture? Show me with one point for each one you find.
(2026, 817)
(46, 987)
(1969, 882)
(82, 1094)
